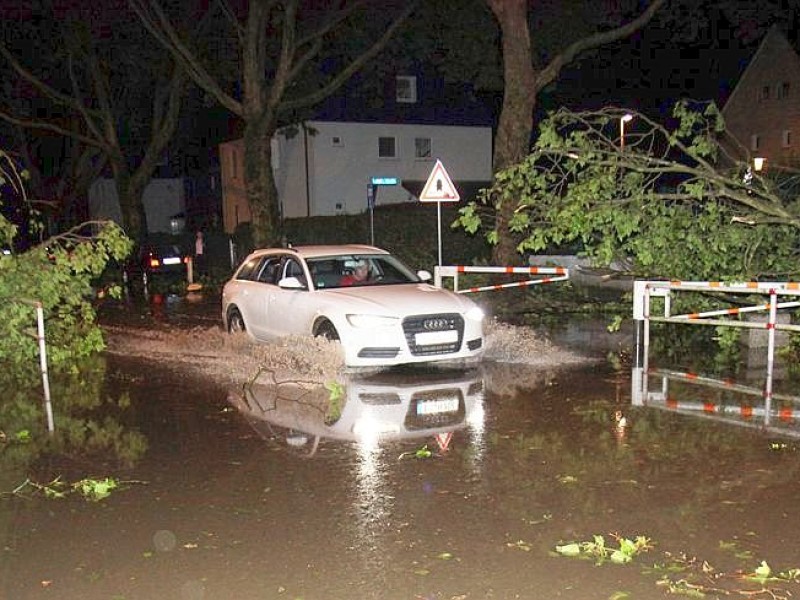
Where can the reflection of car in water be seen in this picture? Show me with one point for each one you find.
(379, 407)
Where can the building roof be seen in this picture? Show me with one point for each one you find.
(775, 39)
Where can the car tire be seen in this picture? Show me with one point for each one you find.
(327, 331)
(235, 321)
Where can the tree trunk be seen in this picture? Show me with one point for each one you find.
(262, 193)
(515, 126)
(134, 219)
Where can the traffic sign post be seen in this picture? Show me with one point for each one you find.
(439, 188)
(372, 195)
(371, 205)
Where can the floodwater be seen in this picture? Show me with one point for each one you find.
(419, 484)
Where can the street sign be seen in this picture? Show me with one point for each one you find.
(384, 181)
(370, 196)
(439, 187)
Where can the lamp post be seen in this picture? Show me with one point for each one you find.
(622, 120)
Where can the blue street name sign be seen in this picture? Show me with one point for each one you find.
(384, 181)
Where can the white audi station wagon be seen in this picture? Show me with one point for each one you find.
(382, 312)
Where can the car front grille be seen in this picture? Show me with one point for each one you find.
(433, 324)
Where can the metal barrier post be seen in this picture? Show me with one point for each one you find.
(638, 323)
(48, 405)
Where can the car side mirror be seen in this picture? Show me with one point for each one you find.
(424, 275)
(291, 283)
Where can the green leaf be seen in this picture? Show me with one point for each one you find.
(620, 557)
(763, 571)
(573, 549)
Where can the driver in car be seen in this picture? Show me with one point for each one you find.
(359, 276)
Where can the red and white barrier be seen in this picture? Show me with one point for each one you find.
(644, 291)
(744, 411)
(559, 274)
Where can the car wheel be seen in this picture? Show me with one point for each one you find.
(328, 331)
(235, 321)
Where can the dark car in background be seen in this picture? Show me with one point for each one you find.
(152, 261)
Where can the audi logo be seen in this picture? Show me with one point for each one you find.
(435, 324)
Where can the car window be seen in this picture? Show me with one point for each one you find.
(249, 270)
(337, 271)
(268, 272)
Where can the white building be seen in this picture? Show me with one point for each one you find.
(323, 167)
(164, 203)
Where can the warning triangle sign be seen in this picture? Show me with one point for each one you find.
(439, 187)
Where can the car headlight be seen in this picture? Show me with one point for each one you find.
(371, 321)
(474, 314)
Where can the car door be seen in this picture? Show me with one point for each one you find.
(291, 310)
(254, 294)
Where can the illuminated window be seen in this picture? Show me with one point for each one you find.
(406, 87)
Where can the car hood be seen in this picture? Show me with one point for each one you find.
(402, 299)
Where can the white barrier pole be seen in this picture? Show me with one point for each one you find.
(439, 225)
(48, 406)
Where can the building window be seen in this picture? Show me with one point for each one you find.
(754, 141)
(782, 90)
(406, 87)
(764, 93)
(786, 138)
(422, 148)
(387, 147)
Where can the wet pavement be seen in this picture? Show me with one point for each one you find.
(416, 484)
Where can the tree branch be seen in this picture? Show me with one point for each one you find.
(353, 67)
(553, 68)
(49, 92)
(52, 127)
(159, 25)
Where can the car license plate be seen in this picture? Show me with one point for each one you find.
(426, 338)
(433, 407)
(172, 260)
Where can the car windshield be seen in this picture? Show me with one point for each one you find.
(358, 269)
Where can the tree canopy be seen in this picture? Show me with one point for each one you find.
(114, 96)
(57, 274)
(674, 200)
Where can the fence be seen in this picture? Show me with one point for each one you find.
(645, 291)
(560, 274)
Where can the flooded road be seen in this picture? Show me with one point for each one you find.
(413, 485)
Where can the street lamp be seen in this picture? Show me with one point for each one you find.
(622, 120)
(758, 163)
